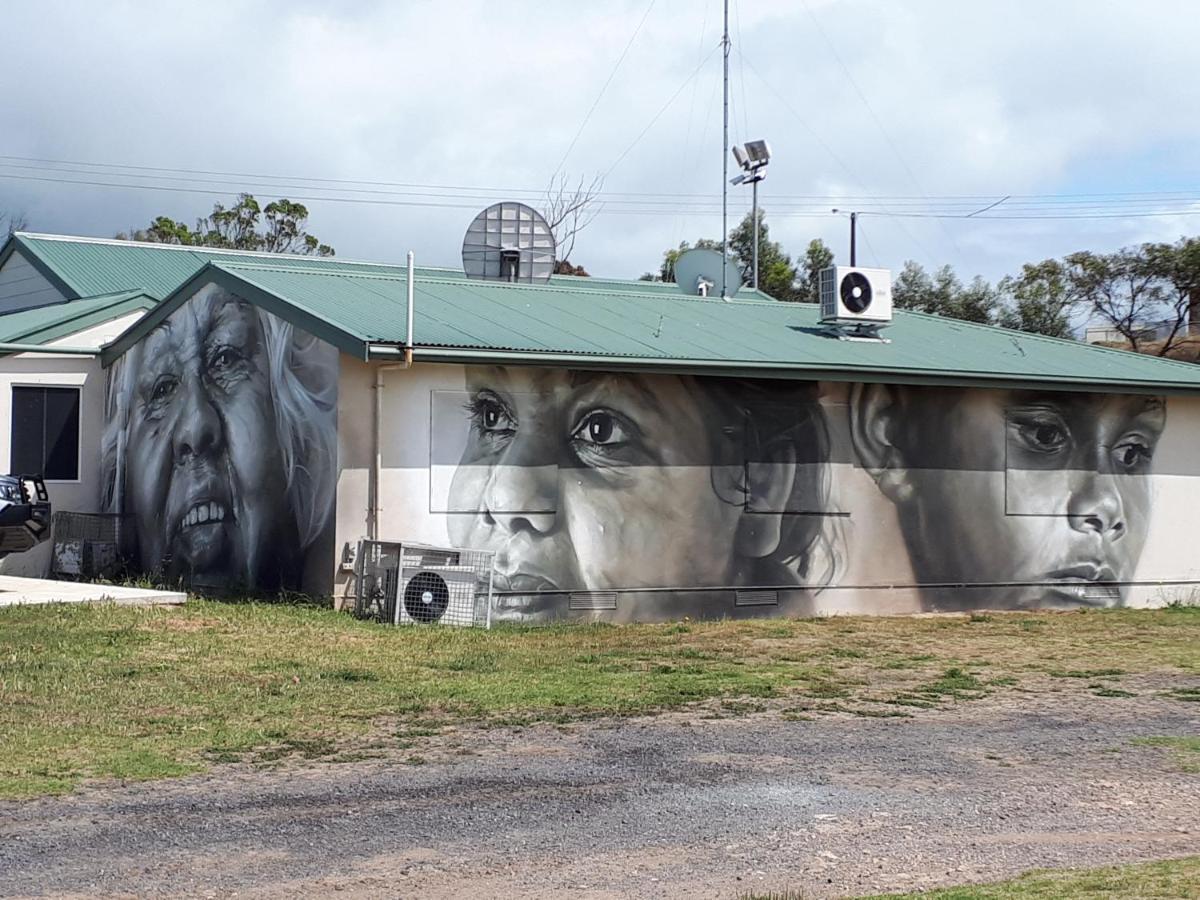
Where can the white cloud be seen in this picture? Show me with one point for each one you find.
(971, 98)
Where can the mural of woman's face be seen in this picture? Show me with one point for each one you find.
(204, 479)
(594, 482)
(1046, 490)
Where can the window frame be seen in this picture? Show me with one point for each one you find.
(43, 385)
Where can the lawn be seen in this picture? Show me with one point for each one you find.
(1169, 880)
(94, 692)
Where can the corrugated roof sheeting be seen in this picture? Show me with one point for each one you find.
(48, 323)
(653, 325)
(594, 319)
(93, 266)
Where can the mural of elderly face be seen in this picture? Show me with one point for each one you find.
(585, 481)
(214, 452)
(1044, 495)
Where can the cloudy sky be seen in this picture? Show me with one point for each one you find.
(1080, 113)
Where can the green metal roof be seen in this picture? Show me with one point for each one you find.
(84, 267)
(578, 324)
(43, 324)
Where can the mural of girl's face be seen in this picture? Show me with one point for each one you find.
(204, 478)
(587, 481)
(1045, 494)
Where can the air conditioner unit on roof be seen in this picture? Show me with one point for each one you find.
(852, 296)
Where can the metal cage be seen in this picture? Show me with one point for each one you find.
(87, 545)
(404, 583)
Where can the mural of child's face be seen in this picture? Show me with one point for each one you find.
(204, 478)
(1046, 490)
(593, 482)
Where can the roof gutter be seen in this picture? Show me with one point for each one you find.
(49, 349)
(751, 369)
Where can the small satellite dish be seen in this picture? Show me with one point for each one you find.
(509, 242)
(701, 273)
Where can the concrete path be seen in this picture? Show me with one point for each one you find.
(20, 591)
(677, 806)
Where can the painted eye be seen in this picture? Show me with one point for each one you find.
(1044, 436)
(493, 417)
(601, 429)
(1132, 454)
(224, 358)
(163, 389)
(490, 416)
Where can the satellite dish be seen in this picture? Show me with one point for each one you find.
(701, 273)
(509, 242)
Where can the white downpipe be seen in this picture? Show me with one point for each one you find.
(408, 337)
(375, 507)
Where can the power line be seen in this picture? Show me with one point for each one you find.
(658, 114)
(878, 124)
(310, 182)
(596, 102)
(712, 211)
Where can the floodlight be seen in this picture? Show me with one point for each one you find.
(753, 159)
(759, 152)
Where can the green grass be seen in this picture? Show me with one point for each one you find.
(107, 692)
(1169, 880)
(1186, 749)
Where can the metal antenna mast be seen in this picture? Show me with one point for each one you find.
(725, 166)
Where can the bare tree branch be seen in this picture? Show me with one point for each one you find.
(569, 207)
(11, 222)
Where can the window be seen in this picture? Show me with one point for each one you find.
(45, 432)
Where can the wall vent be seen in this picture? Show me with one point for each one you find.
(593, 600)
(1108, 594)
(756, 598)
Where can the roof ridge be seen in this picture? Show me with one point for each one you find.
(190, 248)
(474, 282)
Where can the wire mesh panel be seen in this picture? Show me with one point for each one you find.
(417, 584)
(378, 572)
(87, 544)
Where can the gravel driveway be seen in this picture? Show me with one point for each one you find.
(681, 805)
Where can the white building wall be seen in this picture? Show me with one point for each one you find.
(98, 335)
(82, 495)
(873, 569)
(405, 442)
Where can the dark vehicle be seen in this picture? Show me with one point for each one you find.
(24, 513)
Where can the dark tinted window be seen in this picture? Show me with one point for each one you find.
(45, 432)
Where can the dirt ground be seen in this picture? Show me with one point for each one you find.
(693, 804)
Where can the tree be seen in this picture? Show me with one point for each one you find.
(666, 271)
(776, 273)
(568, 209)
(943, 294)
(778, 276)
(915, 289)
(1142, 293)
(1040, 299)
(817, 256)
(1188, 272)
(240, 227)
(12, 222)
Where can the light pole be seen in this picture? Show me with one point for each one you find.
(753, 159)
(853, 226)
